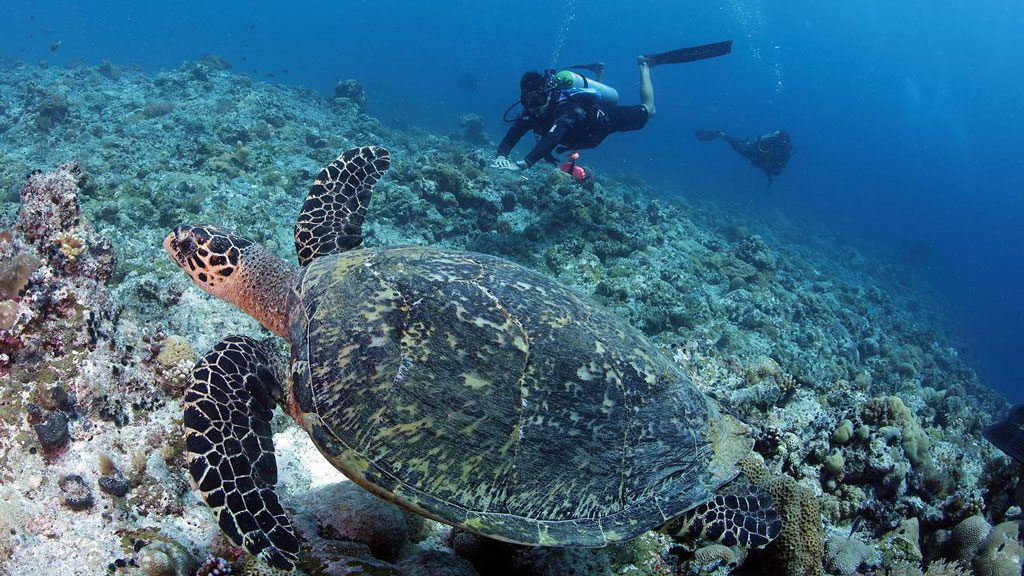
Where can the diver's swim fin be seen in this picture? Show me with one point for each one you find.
(596, 67)
(691, 54)
(1008, 435)
(708, 135)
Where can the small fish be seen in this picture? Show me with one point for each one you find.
(270, 74)
(55, 46)
(286, 71)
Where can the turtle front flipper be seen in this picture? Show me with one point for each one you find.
(739, 515)
(332, 216)
(230, 451)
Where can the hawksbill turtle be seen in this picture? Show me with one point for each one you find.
(461, 386)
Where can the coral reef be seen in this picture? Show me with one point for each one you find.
(866, 416)
(800, 546)
(473, 130)
(353, 91)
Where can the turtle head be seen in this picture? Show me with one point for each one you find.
(236, 269)
(209, 255)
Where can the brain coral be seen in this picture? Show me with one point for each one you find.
(966, 537)
(1001, 554)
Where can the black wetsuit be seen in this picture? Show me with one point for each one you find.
(769, 152)
(573, 124)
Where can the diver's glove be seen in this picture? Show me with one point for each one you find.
(503, 163)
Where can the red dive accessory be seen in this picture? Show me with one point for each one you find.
(570, 167)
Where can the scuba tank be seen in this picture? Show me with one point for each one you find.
(587, 90)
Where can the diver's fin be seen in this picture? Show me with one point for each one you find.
(708, 135)
(1008, 435)
(596, 67)
(691, 54)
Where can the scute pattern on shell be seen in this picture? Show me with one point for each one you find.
(475, 391)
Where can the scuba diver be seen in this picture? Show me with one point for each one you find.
(569, 111)
(769, 152)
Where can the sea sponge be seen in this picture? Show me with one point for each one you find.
(1001, 554)
(801, 543)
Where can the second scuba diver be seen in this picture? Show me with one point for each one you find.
(769, 152)
(571, 112)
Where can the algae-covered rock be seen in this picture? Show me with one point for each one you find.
(902, 545)
(346, 511)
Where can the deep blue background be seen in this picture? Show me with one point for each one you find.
(906, 116)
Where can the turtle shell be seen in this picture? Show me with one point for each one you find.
(474, 391)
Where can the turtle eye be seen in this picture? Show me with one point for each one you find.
(186, 247)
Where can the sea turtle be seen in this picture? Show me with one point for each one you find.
(461, 386)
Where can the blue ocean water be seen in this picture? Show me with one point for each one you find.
(906, 116)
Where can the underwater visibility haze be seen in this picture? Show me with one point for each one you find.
(799, 279)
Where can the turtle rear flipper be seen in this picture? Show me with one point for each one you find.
(230, 451)
(332, 216)
(738, 515)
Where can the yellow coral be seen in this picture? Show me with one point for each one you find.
(175, 349)
(801, 544)
(715, 555)
(70, 244)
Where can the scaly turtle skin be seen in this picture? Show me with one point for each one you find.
(461, 386)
